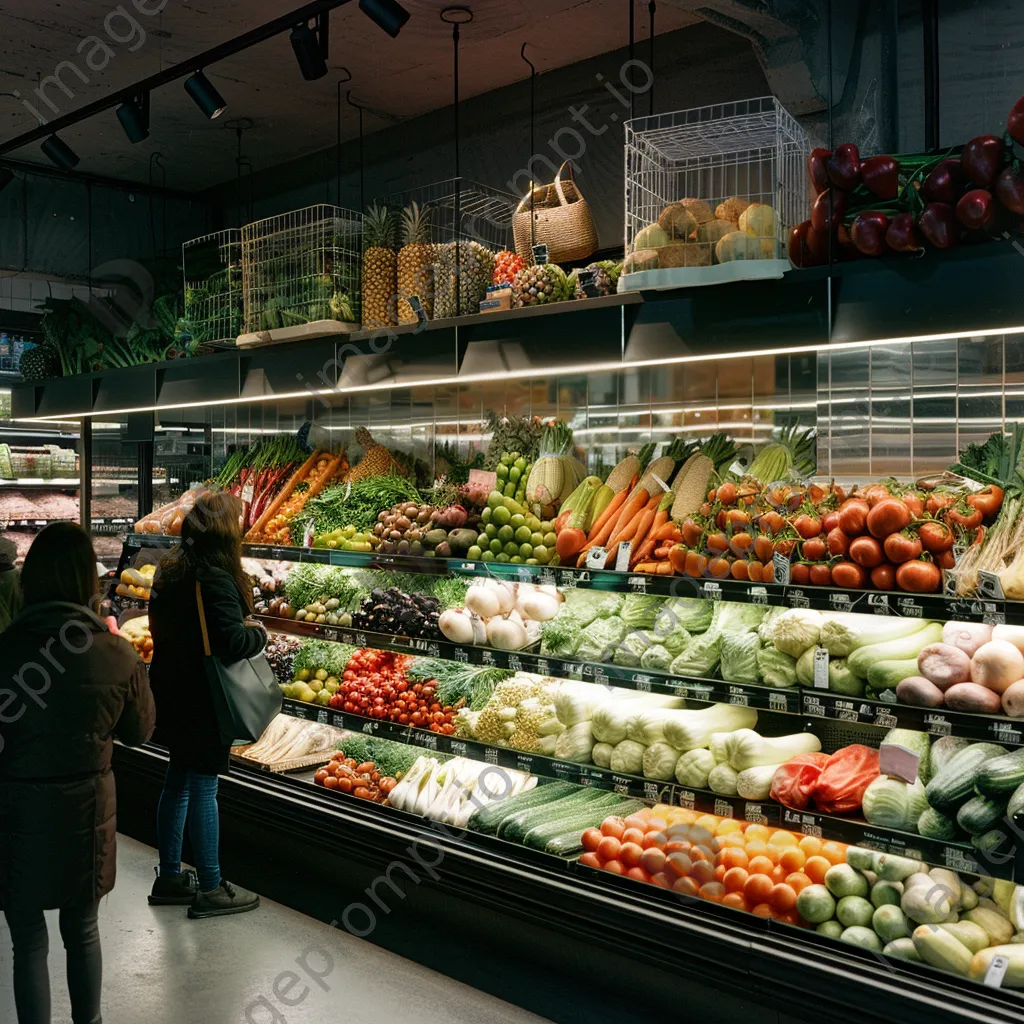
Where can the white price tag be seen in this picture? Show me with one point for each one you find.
(897, 762)
(596, 557)
(248, 492)
(990, 585)
(622, 557)
(661, 483)
(820, 669)
(780, 565)
(996, 971)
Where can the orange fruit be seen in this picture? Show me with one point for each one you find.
(835, 853)
(732, 840)
(638, 874)
(811, 845)
(733, 857)
(734, 900)
(633, 835)
(780, 837)
(630, 854)
(685, 886)
(709, 821)
(756, 847)
(756, 889)
(782, 898)
(816, 867)
(702, 872)
(728, 826)
(760, 865)
(798, 881)
(793, 859)
(678, 865)
(712, 891)
(660, 824)
(719, 872)
(779, 873)
(635, 821)
(762, 832)
(735, 878)
(763, 910)
(655, 839)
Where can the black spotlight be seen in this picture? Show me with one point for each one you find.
(60, 153)
(310, 46)
(209, 101)
(388, 14)
(134, 117)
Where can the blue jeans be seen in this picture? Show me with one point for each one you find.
(81, 934)
(189, 795)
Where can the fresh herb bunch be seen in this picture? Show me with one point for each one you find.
(455, 681)
(332, 510)
(1000, 460)
(316, 654)
(390, 758)
(306, 583)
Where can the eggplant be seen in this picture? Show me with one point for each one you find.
(1015, 122)
(1010, 186)
(982, 159)
(938, 225)
(902, 234)
(828, 209)
(816, 170)
(868, 232)
(977, 210)
(843, 166)
(945, 183)
(881, 176)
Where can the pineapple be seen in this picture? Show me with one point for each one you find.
(415, 263)
(40, 362)
(535, 286)
(464, 270)
(380, 274)
(376, 460)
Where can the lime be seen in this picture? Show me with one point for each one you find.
(505, 534)
(532, 561)
(510, 489)
(496, 545)
(501, 470)
(494, 499)
(511, 548)
(526, 550)
(474, 552)
(514, 474)
(541, 553)
(520, 464)
(487, 556)
(501, 515)
(546, 526)
(517, 559)
(523, 535)
(550, 538)
(517, 520)
(536, 538)
(490, 531)
(485, 516)
(502, 557)
(533, 523)
(512, 506)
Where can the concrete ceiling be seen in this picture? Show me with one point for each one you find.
(397, 78)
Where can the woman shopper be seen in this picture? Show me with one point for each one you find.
(67, 688)
(210, 553)
(10, 594)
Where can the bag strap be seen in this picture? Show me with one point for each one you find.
(202, 620)
(558, 183)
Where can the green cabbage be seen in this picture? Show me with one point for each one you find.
(640, 610)
(600, 640)
(699, 657)
(689, 613)
(628, 758)
(658, 658)
(734, 617)
(633, 647)
(739, 657)
(776, 668)
(893, 803)
(660, 762)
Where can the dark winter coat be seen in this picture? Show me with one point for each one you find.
(67, 688)
(185, 710)
(10, 595)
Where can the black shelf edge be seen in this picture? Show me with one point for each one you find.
(871, 602)
(959, 856)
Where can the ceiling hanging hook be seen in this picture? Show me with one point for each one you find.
(337, 165)
(358, 106)
(156, 160)
(456, 16)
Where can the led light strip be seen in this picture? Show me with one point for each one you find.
(534, 373)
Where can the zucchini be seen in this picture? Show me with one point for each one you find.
(980, 814)
(920, 743)
(934, 825)
(954, 784)
(1002, 775)
(904, 648)
(487, 819)
(515, 826)
(590, 816)
(945, 749)
(1016, 804)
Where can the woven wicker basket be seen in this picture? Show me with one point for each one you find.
(561, 220)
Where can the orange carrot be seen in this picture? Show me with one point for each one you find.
(629, 509)
(637, 527)
(665, 569)
(662, 553)
(668, 531)
(613, 506)
(638, 497)
(643, 547)
(648, 567)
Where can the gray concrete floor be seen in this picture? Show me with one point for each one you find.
(161, 968)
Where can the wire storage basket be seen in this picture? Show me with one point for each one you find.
(711, 193)
(301, 268)
(212, 271)
(448, 234)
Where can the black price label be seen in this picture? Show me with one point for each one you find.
(540, 254)
(588, 283)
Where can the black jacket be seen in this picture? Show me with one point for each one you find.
(63, 698)
(187, 720)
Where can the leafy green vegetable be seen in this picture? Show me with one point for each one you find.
(640, 610)
(455, 681)
(315, 654)
(332, 510)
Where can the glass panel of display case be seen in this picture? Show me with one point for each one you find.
(980, 369)
(891, 427)
(844, 398)
(1013, 377)
(934, 406)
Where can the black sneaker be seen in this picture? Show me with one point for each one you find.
(225, 899)
(174, 890)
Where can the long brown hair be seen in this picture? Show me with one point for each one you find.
(61, 566)
(210, 536)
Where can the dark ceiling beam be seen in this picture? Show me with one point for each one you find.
(104, 181)
(174, 73)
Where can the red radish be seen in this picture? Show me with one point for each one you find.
(843, 166)
(902, 234)
(1010, 187)
(982, 158)
(868, 232)
(881, 176)
(938, 225)
(976, 210)
(945, 182)
(816, 169)
(798, 251)
(1015, 122)
(829, 209)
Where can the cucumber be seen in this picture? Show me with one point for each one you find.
(1016, 804)
(933, 825)
(953, 785)
(487, 819)
(1002, 775)
(944, 750)
(571, 840)
(980, 814)
(589, 816)
(515, 826)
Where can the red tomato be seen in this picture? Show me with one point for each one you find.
(807, 526)
(969, 520)
(853, 516)
(937, 502)
(814, 549)
(889, 515)
(821, 575)
(849, 576)
(988, 500)
(935, 536)
(914, 503)
(919, 577)
(899, 548)
(830, 521)
(866, 551)
(874, 493)
(800, 573)
(838, 543)
(945, 560)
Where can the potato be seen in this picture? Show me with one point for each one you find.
(972, 697)
(1013, 699)
(920, 692)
